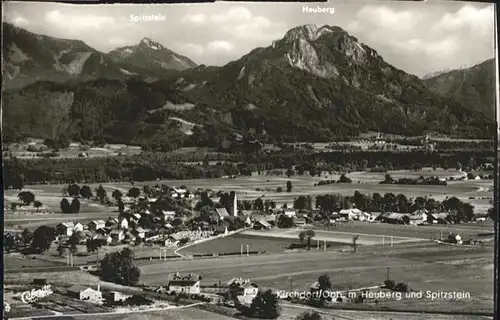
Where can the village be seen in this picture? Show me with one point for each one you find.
(157, 222)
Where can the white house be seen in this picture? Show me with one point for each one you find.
(123, 224)
(181, 193)
(139, 232)
(65, 228)
(86, 293)
(168, 215)
(184, 286)
(117, 236)
(118, 296)
(290, 213)
(222, 213)
(247, 292)
(346, 214)
(78, 227)
(96, 224)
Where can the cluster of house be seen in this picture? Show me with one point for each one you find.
(116, 231)
(112, 231)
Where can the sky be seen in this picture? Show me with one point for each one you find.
(417, 37)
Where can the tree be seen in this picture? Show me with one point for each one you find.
(42, 238)
(313, 315)
(101, 193)
(344, 179)
(93, 245)
(73, 190)
(60, 249)
(37, 204)
(26, 236)
(289, 186)
(355, 243)
(309, 233)
(265, 305)
(134, 192)
(117, 195)
(118, 267)
(86, 192)
(303, 202)
(26, 197)
(302, 236)
(279, 189)
(258, 204)
(73, 241)
(65, 206)
(9, 242)
(290, 173)
(75, 206)
(285, 221)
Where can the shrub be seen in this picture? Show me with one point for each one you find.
(389, 284)
(401, 287)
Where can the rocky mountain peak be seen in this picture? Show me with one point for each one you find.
(147, 42)
(311, 32)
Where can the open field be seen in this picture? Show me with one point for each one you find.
(290, 312)
(423, 266)
(179, 314)
(259, 243)
(52, 258)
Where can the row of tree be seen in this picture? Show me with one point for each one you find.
(149, 167)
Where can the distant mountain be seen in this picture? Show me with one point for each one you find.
(30, 57)
(314, 84)
(152, 55)
(474, 86)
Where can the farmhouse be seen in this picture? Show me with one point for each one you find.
(440, 217)
(392, 217)
(418, 218)
(65, 228)
(78, 227)
(139, 232)
(111, 222)
(290, 213)
(116, 296)
(86, 293)
(346, 214)
(244, 290)
(299, 222)
(117, 236)
(184, 286)
(261, 224)
(222, 213)
(168, 215)
(178, 192)
(96, 224)
(123, 224)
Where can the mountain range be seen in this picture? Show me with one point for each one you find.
(314, 84)
(29, 57)
(474, 86)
